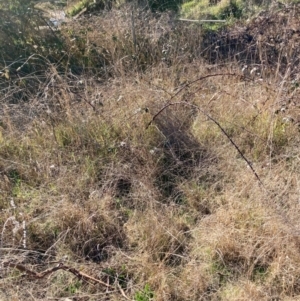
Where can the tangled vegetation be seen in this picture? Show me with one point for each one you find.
(145, 158)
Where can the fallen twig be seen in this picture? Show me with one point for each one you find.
(60, 266)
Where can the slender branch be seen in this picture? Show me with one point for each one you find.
(60, 266)
(200, 79)
(219, 126)
(203, 21)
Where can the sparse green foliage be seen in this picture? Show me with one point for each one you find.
(144, 295)
(163, 5)
(229, 10)
(78, 7)
(221, 10)
(73, 287)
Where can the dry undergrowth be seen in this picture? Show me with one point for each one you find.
(170, 211)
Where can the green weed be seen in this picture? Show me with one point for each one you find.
(144, 295)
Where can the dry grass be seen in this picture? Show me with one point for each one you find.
(169, 211)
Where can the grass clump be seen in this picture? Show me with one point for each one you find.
(215, 10)
(227, 9)
(77, 7)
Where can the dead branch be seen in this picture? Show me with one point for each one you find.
(207, 115)
(219, 126)
(60, 266)
(200, 79)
